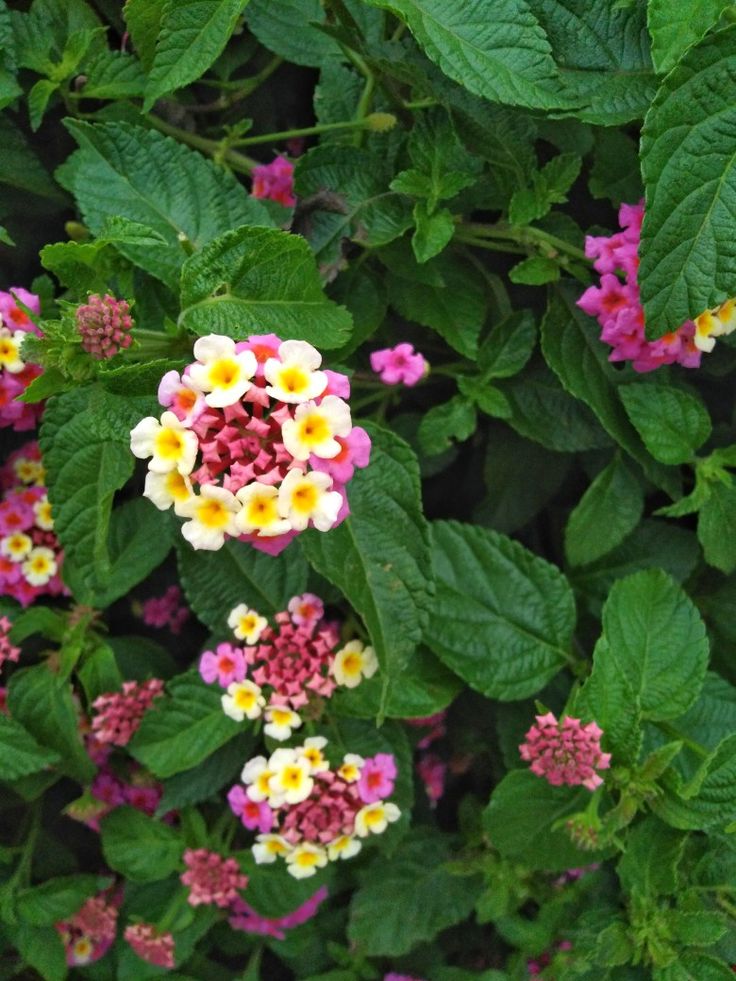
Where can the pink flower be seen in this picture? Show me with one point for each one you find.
(8, 651)
(150, 944)
(104, 324)
(377, 778)
(355, 452)
(119, 714)
(30, 556)
(225, 664)
(393, 976)
(432, 772)
(107, 788)
(176, 394)
(436, 725)
(565, 751)
(399, 365)
(255, 815)
(212, 879)
(275, 181)
(166, 610)
(247, 919)
(306, 610)
(90, 933)
(11, 314)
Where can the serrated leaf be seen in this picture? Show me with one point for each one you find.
(674, 28)
(535, 271)
(114, 75)
(136, 173)
(216, 582)
(717, 526)
(688, 193)
(673, 423)
(138, 847)
(143, 20)
(208, 777)
(56, 899)
(38, 100)
(453, 420)
(379, 556)
(20, 754)
(140, 538)
(286, 28)
(42, 948)
(649, 863)
(257, 280)
(485, 396)
(520, 609)
(184, 728)
(191, 37)
(714, 802)
(432, 233)
(608, 511)
(509, 345)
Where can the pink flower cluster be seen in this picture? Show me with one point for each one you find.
(167, 610)
(8, 651)
(565, 751)
(150, 944)
(23, 468)
(617, 306)
(15, 373)
(430, 767)
(211, 879)
(90, 933)
(30, 555)
(104, 324)
(245, 918)
(142, 792)
(399, 365)
(262, 433)
(275, 181)
(119, 714)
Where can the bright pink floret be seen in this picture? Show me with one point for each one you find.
(119, 714)
(255, 815)
(399, 365)
(167, 610)
(275, 181)
(150, 944)
(565, 751)
(104, 324)
(8, 651)
(377, 778)
(225, 665)
(212, 879)
(432, 772)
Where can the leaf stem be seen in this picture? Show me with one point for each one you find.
(213, 148)
(287, 134)
(694, 747)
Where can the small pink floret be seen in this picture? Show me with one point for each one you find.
(399, 365)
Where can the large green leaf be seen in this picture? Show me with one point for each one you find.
(56, 899)
(20, 167)
(674, 27)
(133, 172)
(709, 800)
(286, 28)
(20, 754)
(672, 422)
(257, 280)
(688, 256)
(138, 847)
(502, 618)
(143, 20)
(192, 35)
(717, 526)
(379, 556)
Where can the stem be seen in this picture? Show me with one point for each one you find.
(696, 748)
(481, 243)
(22, 873)
(287, 134)
(213, 148)
(421, 104)
(245, 88)
(525, 236)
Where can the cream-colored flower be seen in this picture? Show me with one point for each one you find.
(305, 497)
(220, 371)
(352, 663)
(212, 516)
(293, 376)
(314, 428)
(246, 624)
(260, 511)
(169, 444)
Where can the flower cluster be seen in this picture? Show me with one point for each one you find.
(309, 813)
(8, 650)
(30, 555)
(565, 751)
(245, 918)
(275, 181)
(280, 669)
(15, 373)
(23, 468)
(167, 610)
(90, 933)
(262, 432)
(617, 306)
(119, 714)
(150, 944)
(399, 365)
(104, 324)
(211, 879)
(430, 767)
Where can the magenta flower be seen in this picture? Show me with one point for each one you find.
(167, 610)
(399, 365)
(565, 751)
(212, 879)
(306, 610)
(176, 394)
(104, 324)
(355, 452)
(225, 664)
(247, 919)
(255, 815)
(275, 181)
(8, 651)
(377, 778)
(150, 944)
(89, 934)
(432, 772)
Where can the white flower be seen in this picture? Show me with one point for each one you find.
(304, 860)
(352, 663)
(246, 624)
(260, 511)
(268, 848)
(42, 512)
(220, 371)
(243, 700)
(256, 774)
(312, 751)
(280, 721)
(375, 818)
(10, 343)
(291, 781)
(343, 847)
(16, 546)
(314, 427)
(169, 443)
(165, 489)
(305, 497)
(40, 566)
(351, 766)
(212, 517)
(293, 377)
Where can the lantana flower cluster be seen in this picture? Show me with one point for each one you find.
(104, 324)
(8, 650)
(256, 443)
(307, 812)
(211, 879)
(617, 305)
(151, 944)
(15, 373)
(89, 934)
(275, 181)
(119, 714)
(30, 555)
(167, 610)
(565, 751)
(281, 669)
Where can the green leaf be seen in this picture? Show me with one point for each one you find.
(41, 948)
(45, 708)
(114, 75)
(649, 864)
(608, 511)
(56, 899)
(673, 423)
(20, 754)
(143, 20)
(379, 556)
(192, 36)
(615, 173)
(717, 526)
(509, 345)
(695, 967)
(483, 395)
(520, 817)
(674, 28)
(549, 186)
(415, 881)
(38, 101)
(505, 58)
(453, 420)
(216, 582)
(20, 167)
(688, 193)
(99, 672)
(710, 799)
(138, 174)
(139, 847)
(286, 28)
(572, 349)
(535, 271)
(256, 280)
(183, 729)
(520, 609)
(207, 778)
(433, 231)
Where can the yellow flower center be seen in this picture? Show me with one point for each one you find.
(169, 444)
(306, 859)
(212, 514)
(352, 663)
(261, 510)
(292, 777)
(224, 373)
(177, 486)
(314, 429)
(304, 498)
(8, 349)
(294, 380)
(245, 699)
